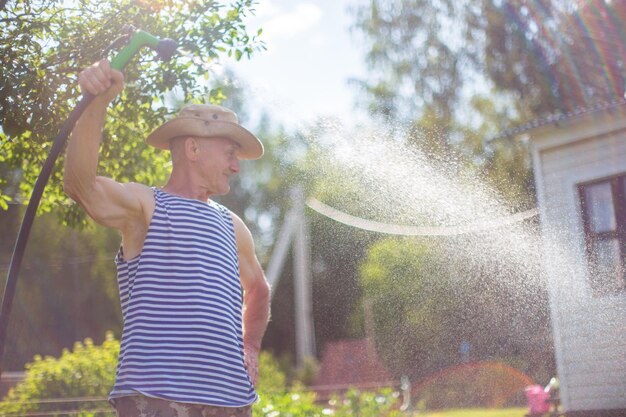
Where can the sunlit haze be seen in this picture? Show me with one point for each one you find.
(311, 55)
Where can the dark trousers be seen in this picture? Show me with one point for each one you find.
(141, 406)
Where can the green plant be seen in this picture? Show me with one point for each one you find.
(307, 373)
(287, 404)
(87, 371)
(355, 403)
(271, 378)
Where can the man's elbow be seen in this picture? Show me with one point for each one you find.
(264, 289)
(261, 290)
(78, 189)
(75, 190)
(70, 188)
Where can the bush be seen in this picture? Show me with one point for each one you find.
(287, 404)
(279, 401)
(88, 371)
(271, 378)
(366, 404)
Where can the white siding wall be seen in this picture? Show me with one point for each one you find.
(590, 331)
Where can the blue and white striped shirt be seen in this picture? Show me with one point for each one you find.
(181, 303)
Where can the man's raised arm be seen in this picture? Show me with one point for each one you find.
(106, 201)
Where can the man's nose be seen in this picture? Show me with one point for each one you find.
(234, 166)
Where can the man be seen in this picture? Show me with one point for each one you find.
(191, 339)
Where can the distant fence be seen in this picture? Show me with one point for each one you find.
(8, 380)
(59, 407)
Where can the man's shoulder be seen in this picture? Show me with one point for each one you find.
(237, 222)
(142, 191)
(242, 233)
(144, 194)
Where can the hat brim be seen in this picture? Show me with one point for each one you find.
(250, 146)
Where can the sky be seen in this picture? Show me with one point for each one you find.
(311, 54)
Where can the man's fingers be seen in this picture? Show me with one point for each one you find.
(91, 81)
(99, 78)
(116, 77)
(105, 65)
(90, 85)
(99, 85)
(103, 77)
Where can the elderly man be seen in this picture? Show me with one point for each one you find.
(194, 298)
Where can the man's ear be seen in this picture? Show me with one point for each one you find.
(192, 148)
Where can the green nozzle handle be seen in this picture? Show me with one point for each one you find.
(165, 48)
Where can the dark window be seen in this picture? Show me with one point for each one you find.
(604, 216)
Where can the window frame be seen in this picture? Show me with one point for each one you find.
(618, 195)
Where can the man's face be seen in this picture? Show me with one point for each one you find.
(218, 161)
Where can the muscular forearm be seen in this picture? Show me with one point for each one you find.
(256, 314)
(81, 160)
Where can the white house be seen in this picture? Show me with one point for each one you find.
(579, 162)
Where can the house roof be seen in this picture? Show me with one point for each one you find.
(556, 118)
(351, 362)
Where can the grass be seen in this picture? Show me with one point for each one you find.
(476, 412)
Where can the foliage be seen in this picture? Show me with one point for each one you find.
(552, 55)
(409, 49)
(45, 43)
(503, 164)
(358, 403)
(538, 51)
(441, 67)
(87, 371)
(426, 305)
(412, 311)
(426, 87)
(271, 377)
(275, 398)
(307, 373)
(296, 403)
(287, 404)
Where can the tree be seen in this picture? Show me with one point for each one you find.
(410, 305)
(435, 65)
(426, 304)
(425, 59)
(416, 62)
(88, 372)
(554, 56)
(45, 43)
(551, 55)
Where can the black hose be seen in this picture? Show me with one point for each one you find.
(29, 216)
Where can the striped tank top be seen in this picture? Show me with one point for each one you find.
(181, 301)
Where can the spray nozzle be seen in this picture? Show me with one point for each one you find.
(135, 40)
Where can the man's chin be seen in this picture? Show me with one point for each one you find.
(223, 191)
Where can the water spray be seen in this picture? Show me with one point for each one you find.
(133, 40)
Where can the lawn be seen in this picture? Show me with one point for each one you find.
(476, 412)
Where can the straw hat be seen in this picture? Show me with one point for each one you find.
(207, 120)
